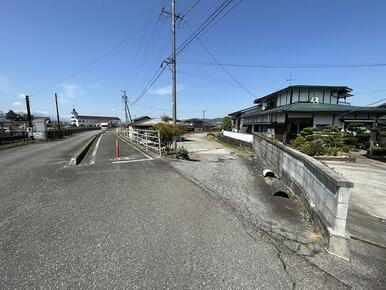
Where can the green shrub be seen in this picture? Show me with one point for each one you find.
(350, 139)
(168, 132)
(363, 139)
(180, 153)
(310, 148)
(379, 151)
(226, 123)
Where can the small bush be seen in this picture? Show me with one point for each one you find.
(226, 123)
(168, 132)
(182, 152)
(349, 139)
(363, 140)
(379, 151)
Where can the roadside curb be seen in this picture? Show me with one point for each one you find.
(81, 153)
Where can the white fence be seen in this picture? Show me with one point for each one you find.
(149, 139)
(239, 136)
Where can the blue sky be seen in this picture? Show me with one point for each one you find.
(104, 43)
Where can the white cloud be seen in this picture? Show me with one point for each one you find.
(17, 104)
(41, 113)
(4, 80)
(22, 96)
(71, 91)
(112, 110)
(166, 90)
(96, 85)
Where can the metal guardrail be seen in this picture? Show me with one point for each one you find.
(149, 139)
(51, 134)
(6, 139)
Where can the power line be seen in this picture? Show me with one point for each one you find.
(89, 64)
(163, 109)
(206, 77)
(370, 92)
(141, 52)
(221, 66)
(225, 14)
(190, 7)
(194, 35)
(286, 65)
(151, 82)
(363, 107)
(204, 25)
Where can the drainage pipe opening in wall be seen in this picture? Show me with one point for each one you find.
(278, 189)
(268, 173)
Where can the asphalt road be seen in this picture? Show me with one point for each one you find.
(129, 223)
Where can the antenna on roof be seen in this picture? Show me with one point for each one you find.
(290, 80)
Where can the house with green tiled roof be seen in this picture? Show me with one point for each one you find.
(286, 112)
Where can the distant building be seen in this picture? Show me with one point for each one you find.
(286, 112)
(147, 123)
(139, 120)
(80, 121)
(197, 125)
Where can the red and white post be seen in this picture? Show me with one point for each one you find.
(116, 149)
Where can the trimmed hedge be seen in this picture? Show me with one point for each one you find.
(379, 151)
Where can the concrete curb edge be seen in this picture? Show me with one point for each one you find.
(79, 155)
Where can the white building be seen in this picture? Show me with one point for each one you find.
(87, 121)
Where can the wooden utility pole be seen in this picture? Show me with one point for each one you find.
(174, 69)
(28, 111)
(173, 62)
(127, 111)
(57, 111)
(372, 138)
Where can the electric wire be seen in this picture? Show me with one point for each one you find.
(193, 36)
(221, 66)
(89, 64)
(352, 65)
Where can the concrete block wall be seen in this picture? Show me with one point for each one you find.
(325, 193)
(235, 142)
(239, 136)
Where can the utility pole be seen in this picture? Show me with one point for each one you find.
(28, 111)
(127, 111)
(203, 114)
(174, 68)
(173, 62)
(372, 138)
(57, 111)
(290, 80)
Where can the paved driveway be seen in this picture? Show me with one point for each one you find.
(367, 209)
(369, 178)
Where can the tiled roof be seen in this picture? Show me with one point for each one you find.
(317, 107)
(343, 89)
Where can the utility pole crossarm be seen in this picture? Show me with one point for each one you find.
(127, 111)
